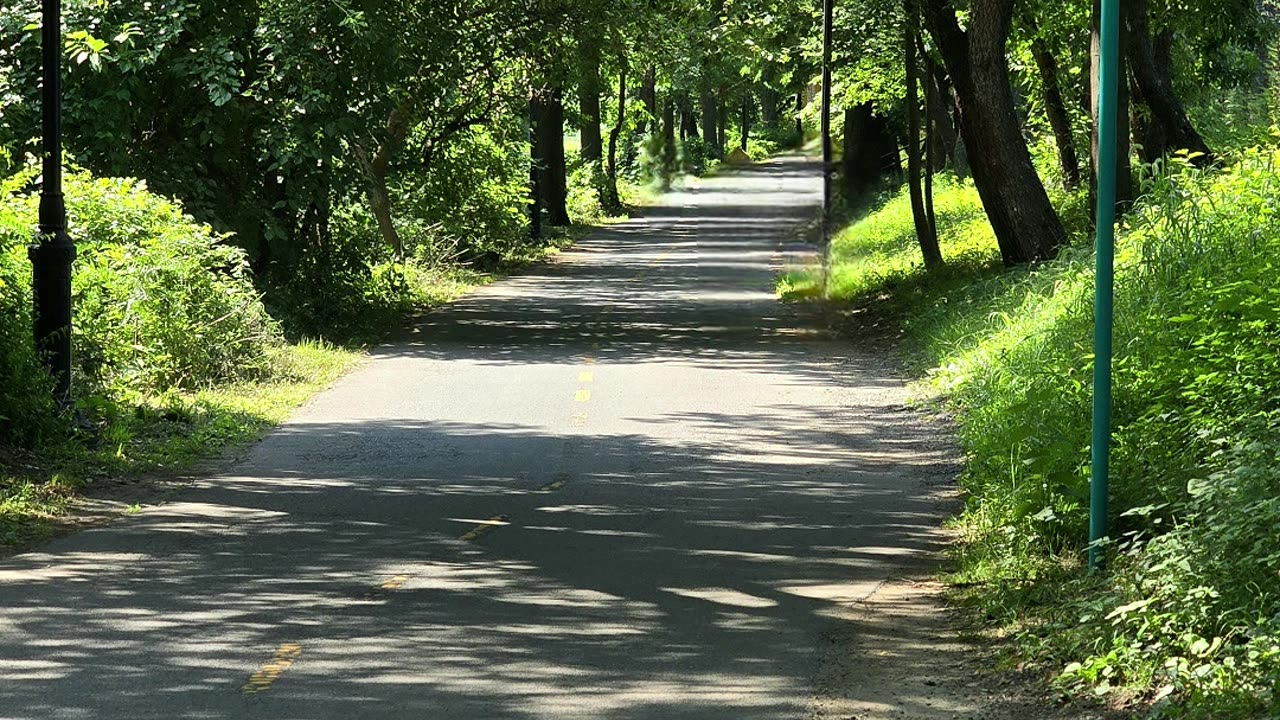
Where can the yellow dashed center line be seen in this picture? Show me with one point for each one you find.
(262, 680)
(640, 275)
(485, 527)
(395, 583)
(288, 653)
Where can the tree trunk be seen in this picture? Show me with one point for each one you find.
(926, 235)
(613, 202)
(380, 204)
(649, 96)
(945, 121)
(769, 107)
(931, 160)
(1055, 108)
(552, 180)
(668, 141)
(722, 117)
(870, 151)
(688, 119)
(799, 113)
(589, 101)
(535, 166)
(746, 122)
(1026, 226)
(376, 167)
(849, 156)
(707, 101)
(557, 202)
(1168, 129)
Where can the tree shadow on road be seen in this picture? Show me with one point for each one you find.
(691, 563)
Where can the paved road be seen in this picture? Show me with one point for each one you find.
(627, 485)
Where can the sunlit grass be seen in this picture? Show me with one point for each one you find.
(1196, 429)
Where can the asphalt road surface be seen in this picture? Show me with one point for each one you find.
(627, 485)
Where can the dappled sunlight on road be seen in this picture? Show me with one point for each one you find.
(628, 485)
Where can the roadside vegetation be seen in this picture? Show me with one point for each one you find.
(1185, 622)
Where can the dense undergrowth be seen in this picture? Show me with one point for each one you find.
(1187, 621)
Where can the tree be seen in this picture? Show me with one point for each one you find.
(1026, 226)
(1165, 127)
(870, 151)
(1055, 107)
(552, 178)
(589, 97)
(613, 202)
(926, 232)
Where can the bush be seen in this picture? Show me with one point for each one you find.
(586, 187)
(24, 389)
(161, 301)
(697, 156)
(474, 198)
(327, 292)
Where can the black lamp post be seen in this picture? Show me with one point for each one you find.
(53, 253)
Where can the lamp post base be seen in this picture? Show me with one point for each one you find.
(51, 261)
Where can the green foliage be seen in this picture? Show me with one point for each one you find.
(1186, 618)
(758, 149)
(697, 156)
(162, 301)
(473, 201)
(25, 407)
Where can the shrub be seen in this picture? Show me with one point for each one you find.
(24, 388)
(586, 186)
(161, 301)
(697, 156)
(473, 197)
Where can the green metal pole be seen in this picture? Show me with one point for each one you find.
(1108, 77)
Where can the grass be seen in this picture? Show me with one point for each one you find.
(162, 434)
(1185, 623)
(877, 275)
